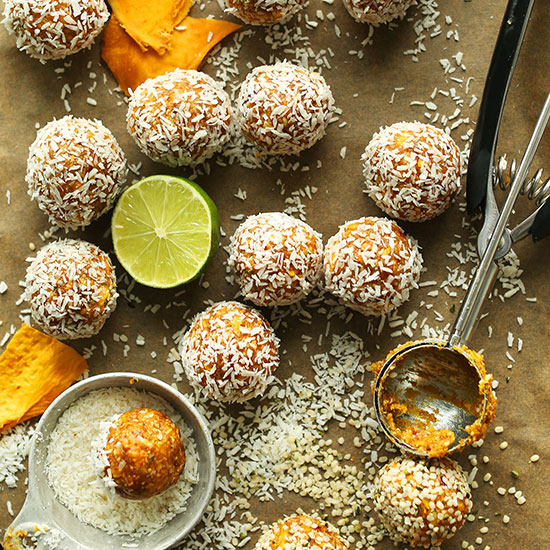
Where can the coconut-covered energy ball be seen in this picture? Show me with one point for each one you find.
(54, 29)
(71, 289)
(277, 259)
(264, 12)
(371, 265)
(284, 109)
(145, 453)
(412, 170)
(377, 12)
(180, 118)
(301, 532)
(75, 171)
(230, 352)
(422, 502)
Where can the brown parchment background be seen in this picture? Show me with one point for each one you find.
(30, 93)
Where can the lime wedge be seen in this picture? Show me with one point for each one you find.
(165, 231)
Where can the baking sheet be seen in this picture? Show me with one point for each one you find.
(363, 87)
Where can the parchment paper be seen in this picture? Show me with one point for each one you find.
(30, 94)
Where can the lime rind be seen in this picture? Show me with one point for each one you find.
(165, 231)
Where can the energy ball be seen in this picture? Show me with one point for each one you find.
(71, 289)
(370, 265)
(144, 452)
(421, 502)
(299, 532)
(277, 259)
(412, 170)
(230, 352)
(180, 118)
(54, 29)
(283, 109)
(264, 12)
(377, 12)
(75, 171)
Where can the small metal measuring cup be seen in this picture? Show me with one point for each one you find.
(42, 509)
(432, 396)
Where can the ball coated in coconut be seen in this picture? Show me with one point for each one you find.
(145, 453)
(75, 171)
(377, 12)
(71, 289)
(54, 29)
(299, 532)
(371, 265)
(180, 118)
(264, 12)
(283, 108)
(422, 502)
(230, 352)
(277, 259)
(412, 170)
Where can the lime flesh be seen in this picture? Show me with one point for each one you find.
(165, 231)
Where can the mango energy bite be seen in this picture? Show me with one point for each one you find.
(71, 289)
(301, 532)
(180, 118)
(75, 171)
(277, 259)
(371, 265)
(412, 171)
(422, 502)
(230, 352)
(377, 12)
(283, 108)
(143, 454)
(54, 29)
(263, 12)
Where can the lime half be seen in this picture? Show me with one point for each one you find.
(165, 231)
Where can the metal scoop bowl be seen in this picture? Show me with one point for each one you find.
(431, 399)
(42, 510)
(434, 397)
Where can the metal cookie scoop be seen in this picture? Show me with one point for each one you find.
(432, 397)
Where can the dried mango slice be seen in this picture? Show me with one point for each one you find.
(191, 42)
(34, 369)
(151, 24)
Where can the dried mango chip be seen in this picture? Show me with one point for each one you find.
(34, 369)
(151, 24)
(191, 42)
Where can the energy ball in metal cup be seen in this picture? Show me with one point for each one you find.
(144, 453)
